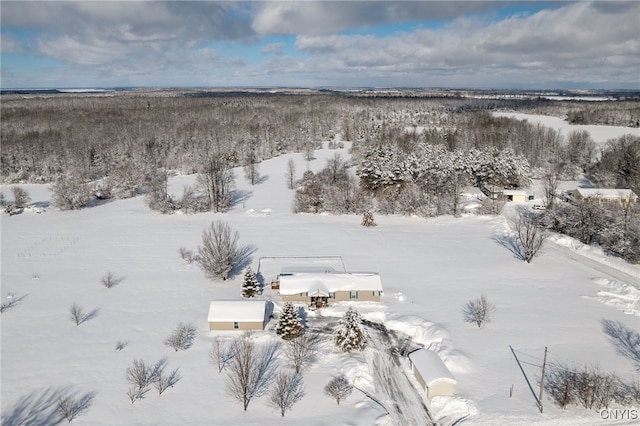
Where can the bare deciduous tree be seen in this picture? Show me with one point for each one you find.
(529, 233)
(251, 168)
(72, 406)
(217, 180)
(221, 353)
(478, 311)
(219, 253)
(182, 337)
(302, 350)
(251, 371)
(287, 390)
(164, 381)
(78, 315)
(290, 175)
(550, 183)
(338, 388)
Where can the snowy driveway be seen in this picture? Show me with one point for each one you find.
(392, 387)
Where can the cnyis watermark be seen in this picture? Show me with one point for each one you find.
(619, 414)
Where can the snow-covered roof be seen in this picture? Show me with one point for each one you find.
(430, 366)
(237, 310)
(514, 192)
(289, 269)
(330, 282)
(606, 192)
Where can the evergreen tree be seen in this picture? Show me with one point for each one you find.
(350, 334)
(289, 325)
(250, 286)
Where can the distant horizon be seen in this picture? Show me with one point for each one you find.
(322, 88)
(476, 45)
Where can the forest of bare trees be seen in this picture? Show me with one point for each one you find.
(412, 152)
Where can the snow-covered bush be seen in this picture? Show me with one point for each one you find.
(349, 335)
(289, 325)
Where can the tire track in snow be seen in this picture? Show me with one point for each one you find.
(392, 386)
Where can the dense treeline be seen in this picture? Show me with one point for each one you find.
(121, 144)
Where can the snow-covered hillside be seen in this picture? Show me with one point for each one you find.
(429, 267)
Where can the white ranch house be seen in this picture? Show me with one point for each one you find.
(318, 289)
(434, 377)
(238, 314)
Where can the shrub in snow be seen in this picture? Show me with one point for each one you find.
(186, 255)
(71, 193)
(120, 345)
(71, 406)
(338, 388)
(287, 390)
(350, 335)
(78, 315)
(250, 285)
(368, 220)
(289, 325)
(182, 337)
(109, 280)
(478, 311)
(20, 197)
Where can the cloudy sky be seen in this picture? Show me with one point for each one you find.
(473, 44)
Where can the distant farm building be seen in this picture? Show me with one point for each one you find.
(512, 195)
(434, 377)
(605, 194)
(238, 314)
(318, 289)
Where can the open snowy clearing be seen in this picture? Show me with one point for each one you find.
(599, 134)
(429, 267)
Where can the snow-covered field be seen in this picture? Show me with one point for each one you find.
(599, 134)
(430, 268)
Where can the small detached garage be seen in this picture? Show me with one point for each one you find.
(238, 314)
(432, 374)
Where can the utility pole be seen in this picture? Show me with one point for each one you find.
(544, 365)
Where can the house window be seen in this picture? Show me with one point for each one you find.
(353, 294)
(235, 324)
(332, 295)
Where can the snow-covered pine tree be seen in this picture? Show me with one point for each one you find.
(350, 334)
(250, 286)
(289, 325)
